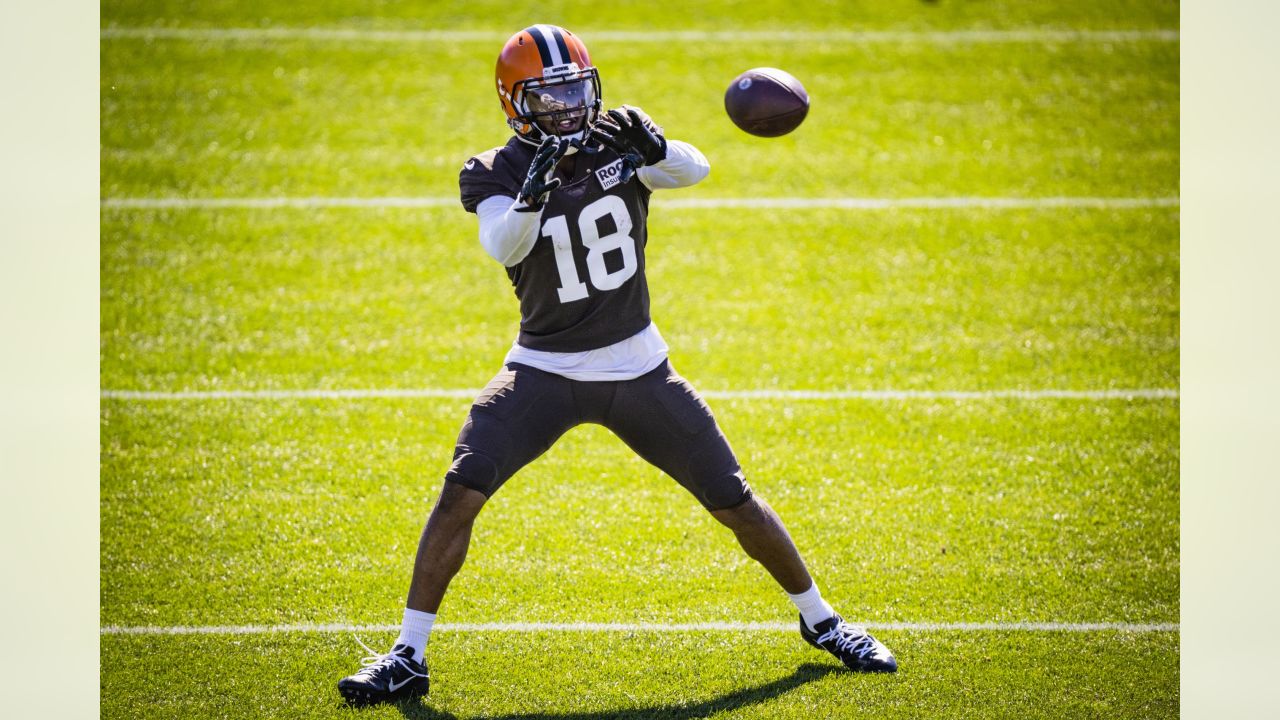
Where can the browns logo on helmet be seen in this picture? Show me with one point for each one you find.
(547, 85)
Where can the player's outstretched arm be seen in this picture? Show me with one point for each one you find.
(684, 165)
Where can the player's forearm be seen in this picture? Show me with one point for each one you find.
(684, 165)
(506, 235)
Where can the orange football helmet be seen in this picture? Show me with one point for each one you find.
(547, 85)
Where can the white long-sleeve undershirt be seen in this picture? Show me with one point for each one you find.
(684, 165)
(508, 235)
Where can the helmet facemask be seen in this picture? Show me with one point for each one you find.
(564, 104)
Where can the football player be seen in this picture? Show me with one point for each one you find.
(563, 207)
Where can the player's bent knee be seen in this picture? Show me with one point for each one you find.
(728, 493)
(713, 474)
(474, 471)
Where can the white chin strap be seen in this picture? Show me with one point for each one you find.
(579, 136)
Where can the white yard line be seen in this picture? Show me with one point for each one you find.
(631, 627)
(290, 394)
(464, 394)
(280, 202)
(799, 203)
(940, 37)
(1130, 394)
(923, 203)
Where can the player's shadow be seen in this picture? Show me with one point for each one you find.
(418, 710)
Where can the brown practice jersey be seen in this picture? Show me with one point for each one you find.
(582, 286)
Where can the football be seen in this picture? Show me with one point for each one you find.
(766, 102)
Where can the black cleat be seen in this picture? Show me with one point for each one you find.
(851, 644)
(385, 678)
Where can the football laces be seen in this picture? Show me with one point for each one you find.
(375, 660)
(850, 638)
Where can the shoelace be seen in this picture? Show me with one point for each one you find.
(850, 638)
(375, 660)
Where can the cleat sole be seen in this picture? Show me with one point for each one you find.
(357, 696)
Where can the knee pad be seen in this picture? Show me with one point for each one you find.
(473, 470)
(725, 492)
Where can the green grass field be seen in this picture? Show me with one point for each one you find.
(912, 512)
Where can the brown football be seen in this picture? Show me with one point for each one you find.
(767, 102)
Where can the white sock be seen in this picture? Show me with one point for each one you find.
(812, 607)
(415, 631)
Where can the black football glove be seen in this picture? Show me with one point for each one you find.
(538, 183)
(630, 133)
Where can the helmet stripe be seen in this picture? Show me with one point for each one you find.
(556, 57)
(560, 45)
(541, 41)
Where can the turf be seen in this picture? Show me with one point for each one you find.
(220, 512)
(638, 676)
